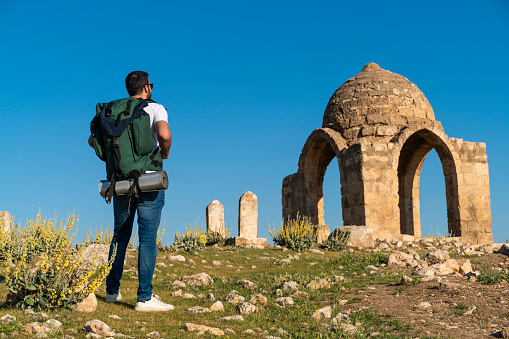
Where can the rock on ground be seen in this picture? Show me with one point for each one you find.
(6, 319)
(88, 305)
(325, 312)
(180, 258)
(258, 299)
(290, 285)
(98, 327)
(197, 310)
(246, 283)
(246, 308)
(203, 329)
(200, 279)
(317, 284)
(232, 318)
(234, 297)
(284, 301)
(35, 327)
(217, 306)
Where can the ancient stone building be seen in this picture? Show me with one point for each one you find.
(380, 127)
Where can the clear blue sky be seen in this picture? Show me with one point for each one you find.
(245, 83)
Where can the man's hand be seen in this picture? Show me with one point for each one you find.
(164, 138)
(90, 142)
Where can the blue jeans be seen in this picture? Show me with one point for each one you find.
(149, 206)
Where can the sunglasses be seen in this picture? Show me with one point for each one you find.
(150, 85)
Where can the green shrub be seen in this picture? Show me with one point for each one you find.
(159, 238)
(217, 237)
(493, 276)
(296, 234)
(35, 238)
(193, 240)
(59, 276)
(338, 242)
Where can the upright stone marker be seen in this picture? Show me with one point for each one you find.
(248, 223)
(215, 217)
(5, 222)
(248, 216)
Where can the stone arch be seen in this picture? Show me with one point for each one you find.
(415, 143)
(321, 147)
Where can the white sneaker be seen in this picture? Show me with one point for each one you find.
(155, 304)
(112, 298)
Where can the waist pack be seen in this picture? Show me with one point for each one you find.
(122, 138)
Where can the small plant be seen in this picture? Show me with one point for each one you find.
(297, 234)
(159, 238)
(217, 237)
(437, 235)
(337, 242)
(60, 276)
(493, 276)
(194, 239)
(103, 237)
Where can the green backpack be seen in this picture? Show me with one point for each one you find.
(122, 138)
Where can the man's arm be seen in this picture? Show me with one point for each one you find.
(90, 142)
(164, 138)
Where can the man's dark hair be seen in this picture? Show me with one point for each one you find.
(135, 81)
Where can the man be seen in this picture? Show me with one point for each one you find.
(148, 205)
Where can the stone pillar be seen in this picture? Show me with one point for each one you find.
(352, 187)
(248, 216)
(381, 200)
(215, 217)
(290, 194)
(248, 223)
(5, 222)
(322, 233)
(473, 192)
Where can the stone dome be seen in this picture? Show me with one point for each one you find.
(376, 103)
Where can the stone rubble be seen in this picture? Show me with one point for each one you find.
(317, 284)
(236, 317)
(234, 297)
(258, 299)
(436, 265)
(246, 308)
(284, 301)
(202, 329)
(98, 327)
(290, 285)
(325, 312)
(200, 279)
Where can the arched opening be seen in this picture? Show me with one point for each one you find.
(432, 197)
(317, 161)
(331, 189)
(411, 160)
(322, 146)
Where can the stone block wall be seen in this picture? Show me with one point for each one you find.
(380, 190)
(473, 191)
(293, 196)
(352, 185)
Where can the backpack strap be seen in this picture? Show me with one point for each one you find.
(126, 112)
(107, 108)
(116, 172)
(116, 127)
(135, 187)
(153, 161)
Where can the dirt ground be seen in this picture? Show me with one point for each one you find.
(446, 316)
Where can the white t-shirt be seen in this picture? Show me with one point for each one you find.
(157, 113)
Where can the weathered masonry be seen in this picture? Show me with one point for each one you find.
(380, 127)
